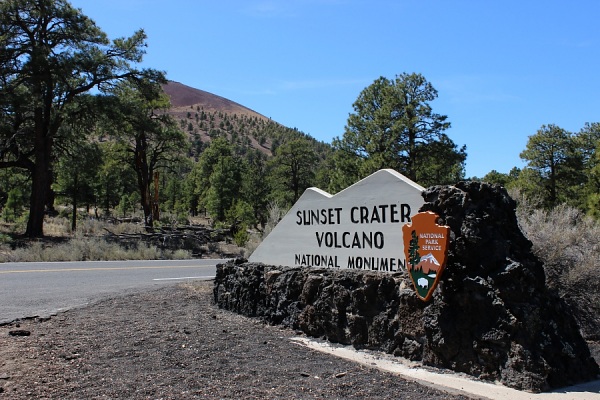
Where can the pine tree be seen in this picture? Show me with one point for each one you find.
(394, 126)
(413, 250)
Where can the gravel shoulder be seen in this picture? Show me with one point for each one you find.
(174, 343)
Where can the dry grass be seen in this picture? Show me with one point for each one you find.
(61, 227)
(86, 244)
(86, 249)
(95, 227)
(568, 242)
(57, 227)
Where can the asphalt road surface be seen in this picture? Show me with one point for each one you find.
(43, 289)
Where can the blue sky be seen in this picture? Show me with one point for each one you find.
(502, 69)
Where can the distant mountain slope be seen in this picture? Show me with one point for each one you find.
(185, 97)
(204, 116)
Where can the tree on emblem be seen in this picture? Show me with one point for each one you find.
(413, 250)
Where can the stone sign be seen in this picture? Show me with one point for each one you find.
(494, 319)
(357, 228)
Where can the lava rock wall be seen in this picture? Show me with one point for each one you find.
(491, 315)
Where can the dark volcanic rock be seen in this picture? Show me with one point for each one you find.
(491, 316)
(19, 332)
(494, 315)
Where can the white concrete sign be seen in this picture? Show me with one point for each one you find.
(358, 228)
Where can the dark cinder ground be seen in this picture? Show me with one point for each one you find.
(173, 343)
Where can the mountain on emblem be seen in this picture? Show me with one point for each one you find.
(428, 264)
(430, 259)
(425, 247)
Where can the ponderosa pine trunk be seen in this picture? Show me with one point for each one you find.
(74, 201)
(40, 180)
(143, 175)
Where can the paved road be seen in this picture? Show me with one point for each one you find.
(42, 289)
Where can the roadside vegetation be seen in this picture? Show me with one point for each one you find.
(568, 243)
(88, 243)
(87, 249)
(112, 239)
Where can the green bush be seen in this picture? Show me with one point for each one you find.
(5, 239)
(275, 214)
(241, 237)
(13, 208)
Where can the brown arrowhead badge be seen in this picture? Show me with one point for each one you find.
(426, 251)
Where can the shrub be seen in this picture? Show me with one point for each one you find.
(179, 255)
(13, 208)
(566, 240)
(241, 236)
(174, 219)
(275, 214)
(5, 239)
(90, 227)
(57, 226)
(568, 243)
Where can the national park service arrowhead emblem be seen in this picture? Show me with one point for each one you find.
(426, 250)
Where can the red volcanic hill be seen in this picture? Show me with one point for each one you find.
(428, 263)
(183, 97)
(204, 116)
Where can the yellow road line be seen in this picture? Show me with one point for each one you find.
(26, 271)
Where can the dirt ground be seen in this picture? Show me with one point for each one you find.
(173, 343)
